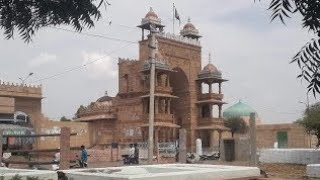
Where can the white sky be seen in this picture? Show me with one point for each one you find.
(250, 51)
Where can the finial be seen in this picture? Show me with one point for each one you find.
(151, 9)
(189, 19)
(209, 58)
(106, 93)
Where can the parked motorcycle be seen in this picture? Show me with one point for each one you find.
(214, 156)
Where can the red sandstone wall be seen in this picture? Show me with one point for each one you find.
(47, 126)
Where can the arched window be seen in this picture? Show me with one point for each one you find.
(21, 117)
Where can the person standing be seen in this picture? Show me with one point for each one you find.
(131, 151)
(136, 153)
(84, 156)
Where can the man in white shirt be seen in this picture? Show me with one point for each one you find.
(131, 151)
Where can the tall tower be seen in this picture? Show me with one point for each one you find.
(157, 113)
(210, 121)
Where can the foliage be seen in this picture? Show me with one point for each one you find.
(311, 121)
(236, 125)
(63, 118)
(308, 58)
(16, 177)
(28, 16)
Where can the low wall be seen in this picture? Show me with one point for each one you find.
(290, 156)
(7, 173)
(313, 170)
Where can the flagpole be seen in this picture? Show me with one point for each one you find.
(173, 8)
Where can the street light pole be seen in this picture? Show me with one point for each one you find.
(152, 46)
(24, 79)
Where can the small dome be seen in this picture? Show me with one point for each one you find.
(189, 30)
(104, 98)
(210, 68)
(189, 26)
(210, 71)
(152, 14)
(238, 110)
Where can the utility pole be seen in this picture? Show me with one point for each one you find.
(152, 47)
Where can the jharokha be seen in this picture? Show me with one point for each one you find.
(180, 101)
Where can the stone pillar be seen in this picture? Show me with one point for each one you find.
(156, 142)
(1, 141)
(169, 106)
(220, 138)
(182, 146)
(142, 34)
(211, 110)
(253, 146)
(210, 88)
(156, 105)
(212, 140)
(219, 88)
(65, 148)
(220, 111)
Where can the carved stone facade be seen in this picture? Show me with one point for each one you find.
(179, 101)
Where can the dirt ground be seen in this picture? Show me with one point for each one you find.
(274, 171)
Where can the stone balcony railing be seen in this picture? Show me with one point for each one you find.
(207, 96)
(159, 89)
(160, 118)
(210, 120)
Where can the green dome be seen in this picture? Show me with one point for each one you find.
(238, 110)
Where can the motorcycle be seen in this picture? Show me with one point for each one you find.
(214, 156)
(74, 164)
(127, 160)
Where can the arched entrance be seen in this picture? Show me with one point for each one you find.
(180, 106)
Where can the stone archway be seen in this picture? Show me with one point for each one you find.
(180, 106)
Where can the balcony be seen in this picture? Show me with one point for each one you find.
(159, 89)
(210, 96)
(169, 118)
(207, 121)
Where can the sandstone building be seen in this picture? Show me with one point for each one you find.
(21, 114)
(180, 100)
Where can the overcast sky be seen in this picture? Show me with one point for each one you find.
(250, 51)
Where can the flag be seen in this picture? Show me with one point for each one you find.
(176, 15)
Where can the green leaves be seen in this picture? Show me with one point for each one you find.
(27, 16)
(280, 9)
(311, 120)
(308, 60)
(236, 125)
